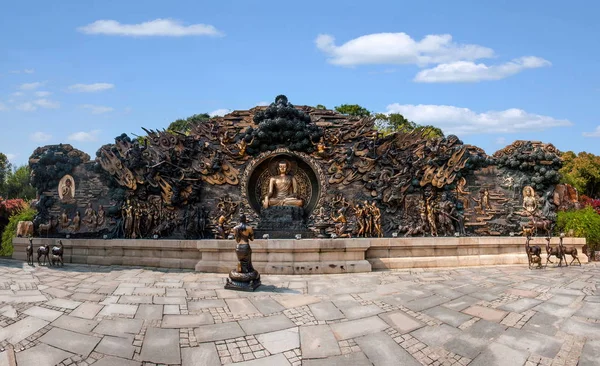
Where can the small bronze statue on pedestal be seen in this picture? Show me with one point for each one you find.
(244, 277)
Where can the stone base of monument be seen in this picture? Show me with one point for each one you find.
(243, 281)
(306, 256)
(282, 222)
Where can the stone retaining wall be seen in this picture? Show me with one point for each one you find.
(305, 256)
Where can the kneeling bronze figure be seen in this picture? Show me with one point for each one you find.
(244, 277)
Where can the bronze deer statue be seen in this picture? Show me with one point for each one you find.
(572, 251)
(556, 251)
(533, 253)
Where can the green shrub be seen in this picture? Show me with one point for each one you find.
(584, 223)
(11, 229)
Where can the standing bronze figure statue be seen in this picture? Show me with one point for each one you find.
(244, 277)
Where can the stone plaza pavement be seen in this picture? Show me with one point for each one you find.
(504, 315)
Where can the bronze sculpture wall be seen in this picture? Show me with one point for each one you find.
(342, 177)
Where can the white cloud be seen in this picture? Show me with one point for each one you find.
(84, 136)
(470, 72)
(42, 93)
(11, 156)
(219, 112)
(501, 140)
(43, 103)
(399, 48)
(40, 136)
(26, 71)
(595, 133)
(90, 88)
(263, 104)
(31, 86)
(18, 94)
(97, 109)
(157, 27)
(463, 121)
(3, 107)
(27, 107)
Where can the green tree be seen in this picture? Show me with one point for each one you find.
(320, 106)
(395, 122)
(17, 184)
(5, 168)
(353, 110)
(582, 171)
(185, 125)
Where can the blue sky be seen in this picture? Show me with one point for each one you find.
(83, 72)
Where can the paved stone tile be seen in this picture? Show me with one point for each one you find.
(43, 313)
(87, 310)
(357, 312)
(266, 324)
(426, 303)
(241, 307)
(79, 296)
(461, 303)
(564, 300)
(218, 332)
(22, 329)
(520, 305)
(149, 291)
(325, 310)
(7, 358)
(75, 324)
(206, 304)
(70, 341)
(580, 328)
(186, 321)
(318, 341)
(523, 293)
(280, 341)
(64, 303)
(500, 355)
(116, 361)
(359, 327)
(9, 311)
(119, 327)
(382, 350)
(42, 355)
(135, 299)
(536, 343)
(401, 321)
(436, 335)
(149, 312)
(466, 345)
(57, 292)
(486, 313)
(447, 316)
(274, 360)
(118, 309)
(589, 310)
(590, 353)
(544, 323)
(557, 310)
(173, 300)
(349, 359)
(116, 346)
(294, 301)
(267, 306)
(161, 346)
(204, 355)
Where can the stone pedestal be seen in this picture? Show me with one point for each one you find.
(244, 277)
(282, 218)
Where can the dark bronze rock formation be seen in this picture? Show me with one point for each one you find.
(340, 173)
(244, 277)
